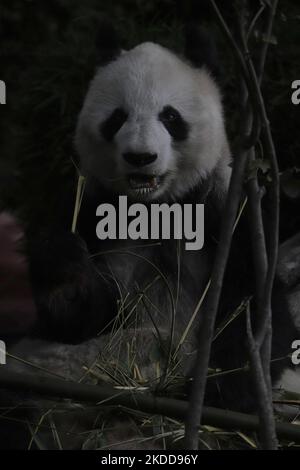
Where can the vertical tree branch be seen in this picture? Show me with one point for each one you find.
(209, 315)
(265, 406)
(265, 267)
(263, 342)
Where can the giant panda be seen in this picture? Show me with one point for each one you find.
(152, 127)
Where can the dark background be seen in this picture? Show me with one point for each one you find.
(48, 56)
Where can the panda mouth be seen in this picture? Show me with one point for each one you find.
(144, 184)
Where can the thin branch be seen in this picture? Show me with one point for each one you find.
(274, 193)
(267, 428)
(249, 140)
(257, 233)
(267, 39)
(260, 351)
(206, 330)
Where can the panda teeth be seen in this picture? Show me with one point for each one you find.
(143, 191)
(143, 184)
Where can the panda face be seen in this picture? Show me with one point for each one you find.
(151, 126)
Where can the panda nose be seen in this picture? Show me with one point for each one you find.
(139, 159)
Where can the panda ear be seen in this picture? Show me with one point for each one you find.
(107, 43)
(200, 48)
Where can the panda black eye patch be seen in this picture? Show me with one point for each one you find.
(177, 127)
(113, 124)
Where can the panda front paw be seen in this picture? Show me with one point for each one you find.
(73, 301)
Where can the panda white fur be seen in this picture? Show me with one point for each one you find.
(149, 101)
(152, 128)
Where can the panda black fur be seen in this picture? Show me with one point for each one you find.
(152, 128)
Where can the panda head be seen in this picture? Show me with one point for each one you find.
(152, 126)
